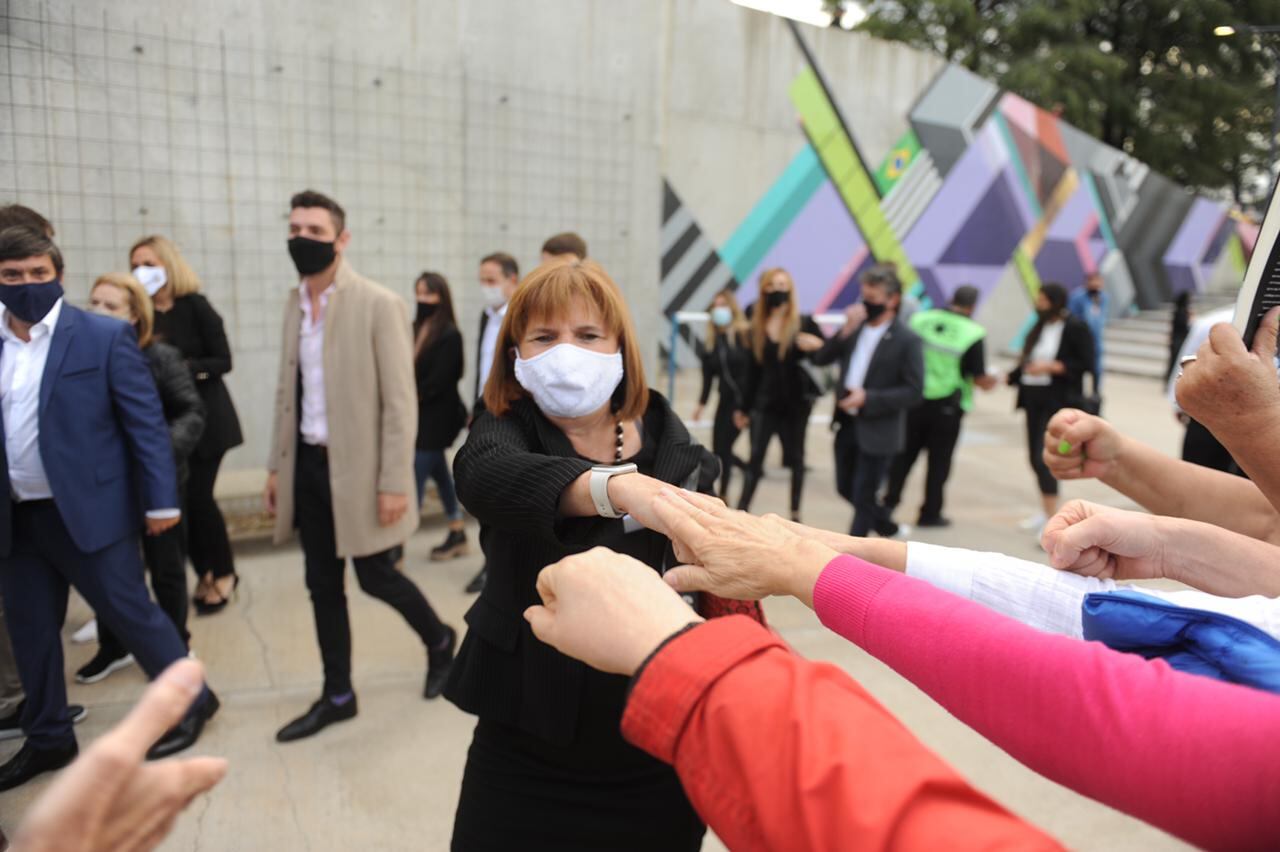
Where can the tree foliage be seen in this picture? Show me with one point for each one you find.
(1147, 76)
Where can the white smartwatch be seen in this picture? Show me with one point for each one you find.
(599, 481)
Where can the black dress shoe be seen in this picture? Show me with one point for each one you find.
(31, 761)
(439, 664)
(886, 529)
(936, 521)
(321, 715)
(184, 734)
(476, 586)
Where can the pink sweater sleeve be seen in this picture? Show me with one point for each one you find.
(1195, 757)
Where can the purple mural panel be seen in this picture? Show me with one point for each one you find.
(1073, 245)
(1192, 242)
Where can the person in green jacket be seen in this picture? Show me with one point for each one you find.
(954, 361)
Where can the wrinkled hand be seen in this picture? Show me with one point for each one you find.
(1095, 446)
(807, 342)
(1096, 541)
(606, 609)
(391, 507)
(155, 526)
(110, 798)
(736, 555)
(269, 494)
(853, 401)
(1231, 390)
(741, 420)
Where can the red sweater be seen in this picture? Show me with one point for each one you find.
(779, 753)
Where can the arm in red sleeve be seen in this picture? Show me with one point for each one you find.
(1196, 757)
(777, 752)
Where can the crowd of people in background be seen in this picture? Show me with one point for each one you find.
(617, 658)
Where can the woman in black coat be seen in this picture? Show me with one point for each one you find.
(120, 295)
(726, 358)
(437, 358)
(569, 456)
(1050, 376)
(186, 320)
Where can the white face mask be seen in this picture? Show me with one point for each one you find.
(152, 278)
(493, 296)
(721, 316)
(569, 381)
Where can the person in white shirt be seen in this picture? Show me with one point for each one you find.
(499, 276)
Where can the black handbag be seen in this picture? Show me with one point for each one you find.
(1089, 403)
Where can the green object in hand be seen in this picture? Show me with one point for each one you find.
(1064, 447)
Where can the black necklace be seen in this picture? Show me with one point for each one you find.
(617, 453)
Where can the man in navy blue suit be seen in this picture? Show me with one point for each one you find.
(86, 452)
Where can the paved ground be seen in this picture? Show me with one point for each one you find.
(389, 779)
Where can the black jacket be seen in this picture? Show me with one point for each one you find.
(441, 414)
(894, 385)
(195, 329)
(1076, 354)
(729, 363)
(183, 409)
(510, 474)
(782, 383)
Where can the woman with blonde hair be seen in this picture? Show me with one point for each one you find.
(185, 320)
(569, 455)
(780, 392)
(726, 357)
(120, 295)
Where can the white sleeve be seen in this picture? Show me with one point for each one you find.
(1035, 594)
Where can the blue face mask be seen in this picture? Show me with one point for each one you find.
(721, 316)
(31, 302)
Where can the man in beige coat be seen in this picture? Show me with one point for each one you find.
(341, 465)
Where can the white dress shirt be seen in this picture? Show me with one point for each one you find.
(315, 420)
(863, 351)
(1051, 600)
(22, 366)
(489, 342)
(1046, 349)
(21, 372)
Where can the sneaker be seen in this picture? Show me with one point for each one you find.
(453, 547)
(87, 633)
(101, 667)
(77, 712)
(1034, 523)
(11, 725)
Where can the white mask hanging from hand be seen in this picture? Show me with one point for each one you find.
(569, 381)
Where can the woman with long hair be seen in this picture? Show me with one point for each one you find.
(185, 320)
(120, 295)
(726, 358)
(780, 393)
(1050, 376)
(437, 358)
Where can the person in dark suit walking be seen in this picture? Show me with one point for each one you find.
(187, 321)
(499, 276)
(86, 451)
(881, 379)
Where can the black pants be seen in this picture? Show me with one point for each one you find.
(1039, 413)
(723, 435)
(933, 426)
(34, 579)
(165, 557)
(858, 478)
(326, 575)
(207, 541)
(790, 425)
(1199, 446)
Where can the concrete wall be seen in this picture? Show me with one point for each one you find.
(447, 129)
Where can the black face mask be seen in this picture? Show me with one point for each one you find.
(311, 256)
(1096, 295)
(1048, 314)
(31, 302)
(776, 299)
(874, 310)
(425, 312)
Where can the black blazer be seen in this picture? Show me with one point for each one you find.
(195, 329)
(1076, 354)
(477, 404)
(894, 385)
(183, 408)
(441, 414)
(782, 383)
(729, 363)
(510, 474)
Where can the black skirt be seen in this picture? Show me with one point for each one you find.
(521, 792)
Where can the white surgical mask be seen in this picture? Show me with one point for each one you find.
(493, 297)
(569, 381)
(152, 278)
(721, 316)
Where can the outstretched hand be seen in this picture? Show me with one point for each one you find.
(1097, 541)
(1081, 446)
